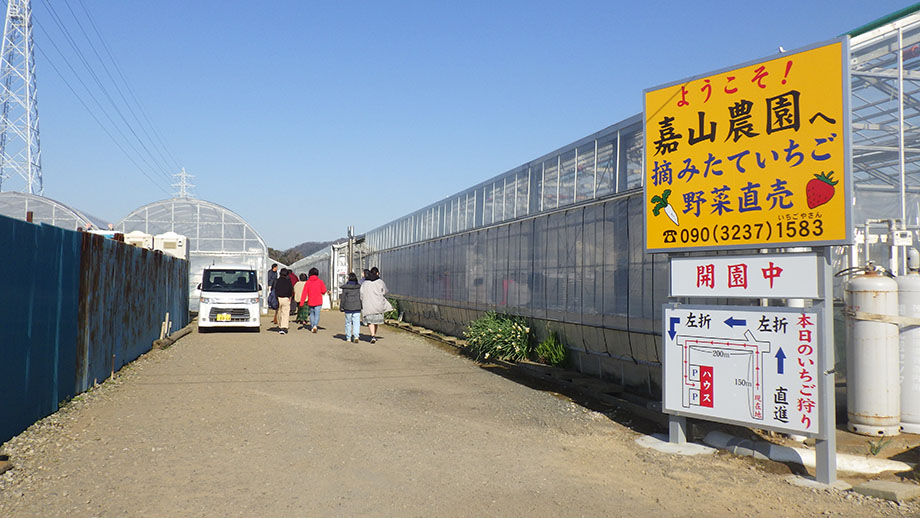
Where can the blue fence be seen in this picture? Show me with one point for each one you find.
(73, 308)
(38, 321)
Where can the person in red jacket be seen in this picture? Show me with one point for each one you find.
(313, 296)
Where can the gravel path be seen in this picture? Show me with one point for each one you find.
(243, 424)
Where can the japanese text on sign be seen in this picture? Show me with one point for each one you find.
(748, 157)
(751, 276)
(742, 365)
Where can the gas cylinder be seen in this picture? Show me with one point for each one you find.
(873, 392)
(909, 306)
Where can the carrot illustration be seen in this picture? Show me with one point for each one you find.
(661, 202)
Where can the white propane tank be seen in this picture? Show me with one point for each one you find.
(909, 306)
(873, 394)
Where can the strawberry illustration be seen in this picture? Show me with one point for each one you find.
(820, 189)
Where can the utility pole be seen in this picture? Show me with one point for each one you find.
(20, 151)
(351, 248)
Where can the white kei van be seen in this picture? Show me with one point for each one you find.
(230, 297)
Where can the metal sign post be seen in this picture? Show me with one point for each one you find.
(826, 444)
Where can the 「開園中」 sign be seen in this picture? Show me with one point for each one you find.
(777, 276)
(745, 365)
(754, 156)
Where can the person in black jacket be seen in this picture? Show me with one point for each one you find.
(350, 303)
(272, 278)
(284, 290)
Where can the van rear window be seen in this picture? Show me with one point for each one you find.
(230, 281)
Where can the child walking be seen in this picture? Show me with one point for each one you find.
(303, 312)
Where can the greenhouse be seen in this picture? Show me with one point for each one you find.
(885, 67)
(45, 210)
(560, 238)
(332, 264)
(215, 235)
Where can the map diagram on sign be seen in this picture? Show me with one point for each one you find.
(708, 362)
(746, 365)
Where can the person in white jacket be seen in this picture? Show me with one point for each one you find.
(373, 301)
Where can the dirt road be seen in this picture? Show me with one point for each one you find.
(237, 424)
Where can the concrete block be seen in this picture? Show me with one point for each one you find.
(659, 442)
(888, 490)
(811, 483)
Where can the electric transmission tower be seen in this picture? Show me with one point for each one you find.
(183, 185)
(20, 151)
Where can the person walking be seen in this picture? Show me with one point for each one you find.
(272, 279)
(293, 278)
(350, 303)
(284, 290)
(373, 301)
(302, 311)
(313, 295)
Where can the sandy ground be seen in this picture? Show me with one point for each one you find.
(244, 424)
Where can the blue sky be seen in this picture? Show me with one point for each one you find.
(306, 117)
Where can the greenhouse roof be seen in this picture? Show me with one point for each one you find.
(208, 226)
(46, 210)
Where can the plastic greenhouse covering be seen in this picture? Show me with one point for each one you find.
(47, 211)
(215, 235)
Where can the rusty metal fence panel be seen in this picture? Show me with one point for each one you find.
(74, 308)
(125, 295)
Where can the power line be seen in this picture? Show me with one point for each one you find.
(118, 89)
(127, 84)
(101, 125)
(79, 53)
(89, 91)
(102, 88)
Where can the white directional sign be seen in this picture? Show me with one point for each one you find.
(778, 276)
(746, 365)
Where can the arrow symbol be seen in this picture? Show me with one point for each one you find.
(780, 357)
(732, 322)
(671, 332)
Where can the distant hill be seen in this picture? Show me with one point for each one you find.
(300, 251)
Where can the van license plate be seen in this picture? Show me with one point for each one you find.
(223, 317)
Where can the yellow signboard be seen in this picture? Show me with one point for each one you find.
(755, 156)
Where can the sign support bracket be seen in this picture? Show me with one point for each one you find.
(677, 429)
